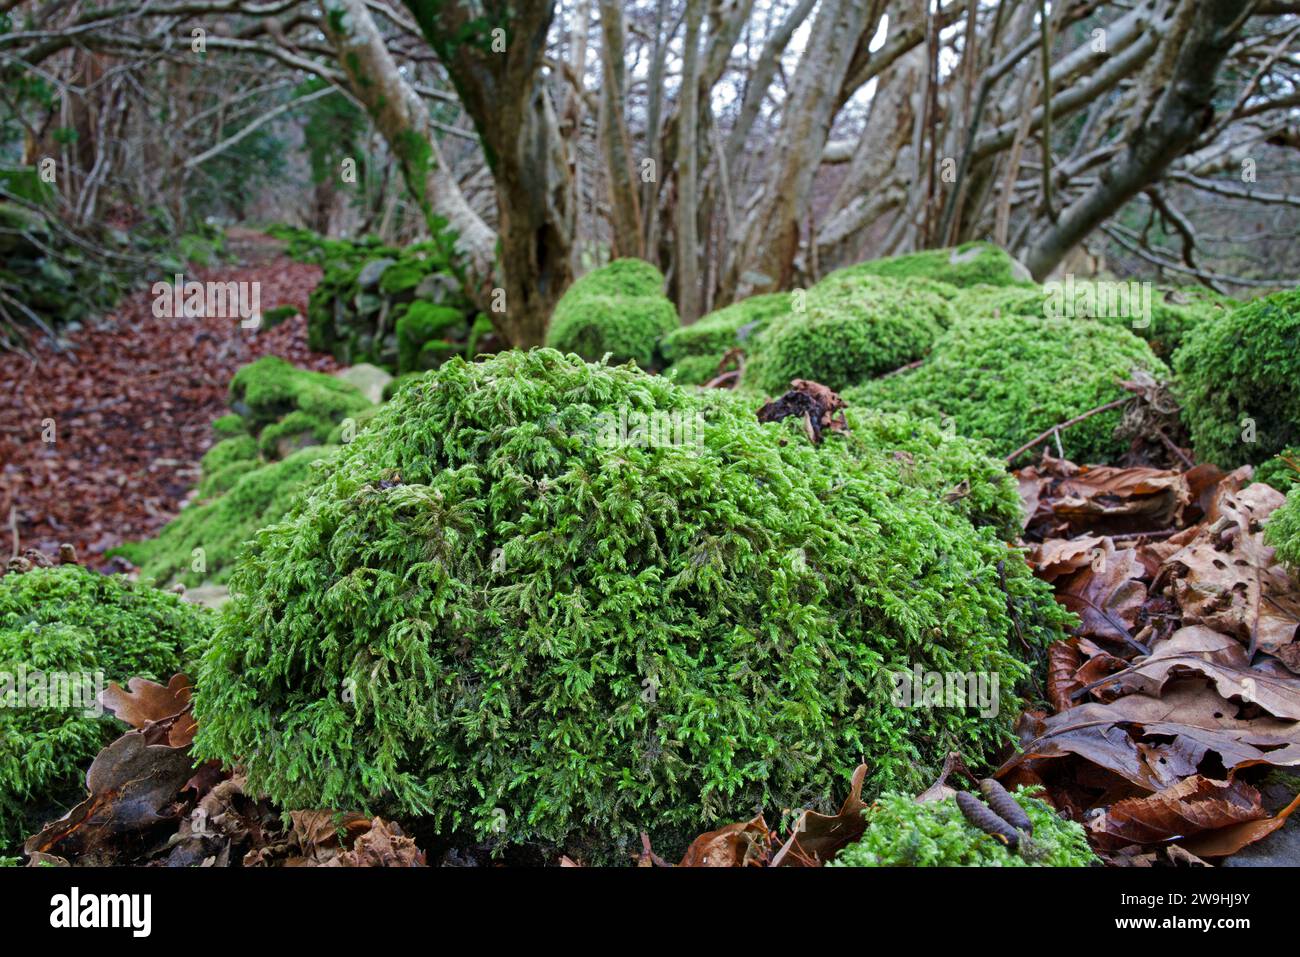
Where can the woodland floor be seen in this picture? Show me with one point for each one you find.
(133, 399)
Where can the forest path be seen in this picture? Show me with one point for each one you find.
(129, 402)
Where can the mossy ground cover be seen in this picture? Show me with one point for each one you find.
(1007, 380)
(1239, 379)
(1283, 531)
(483, 613)
(974, 263)
(286, 420)
(902, 833)
(73, 621)
(618, 310)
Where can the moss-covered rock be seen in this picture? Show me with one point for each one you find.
(693, 370)
(851, 327)
(1239, 378)
(734, 325)
(617, 310)
(277, 400)
(970, 264)
(1008, 380)
(74, 622)
(510, 607)
(902, 833)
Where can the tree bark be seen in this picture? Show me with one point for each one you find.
(625, 205)
(689, 293)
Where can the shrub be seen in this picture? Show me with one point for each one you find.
(850, 329)
(903, 833)
(72, 620)
(970, 264)
(618, 309)
(490, 611)
(1241, 374)
(1282, 531)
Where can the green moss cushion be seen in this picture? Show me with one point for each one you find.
(1008, 380)
(1240, 382)
(74, 621)
(619, 310)
(508, 606)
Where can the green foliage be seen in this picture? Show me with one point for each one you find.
(1008, 380)
(903, 833)
(1283, 531)
(1240, 382)
(970, 264)
(618, 309)
(490, 610)
(425, 323)
(693, 370)
(852, 327)
(72, 620)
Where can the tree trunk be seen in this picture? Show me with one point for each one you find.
(493, 52)
(624, 204)
(688, 246)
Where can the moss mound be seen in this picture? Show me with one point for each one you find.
(902, 833)
(1240, 382)
(284, 406)
(72, 621)
(508, 606)
(851, 327)
(618, 309)
(733, 325)
(971, 264)
(1283, 531)
(1008, 380)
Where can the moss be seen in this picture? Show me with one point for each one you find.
(1282, 471)
(903, 833)
(256, 497)
(297, 430)
(422, 323)
(970, 264)
(277, 399)
(273, 317)
(993, 302)
(71, 620)
(1283, 531)
(851, 328)
(1008, 380)
(219, 481)
(1239, 378)
(241, 448)
(619, 310)
(693, 370)
(918, 452)
(229, 426)
(402, 276)
(399, 383)
(712, 335)
(507, 606)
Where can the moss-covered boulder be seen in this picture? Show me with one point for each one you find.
(618, 310)
(974, 263)
(87, 629)
(560, 602)
(285, 420)
(902, 833)
(1007, 380)
(400, 309)
(1239, 378)
(850, 328)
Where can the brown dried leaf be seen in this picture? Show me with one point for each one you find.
(817, 838)
(146, 701)
(1190, 807)
(746, 844)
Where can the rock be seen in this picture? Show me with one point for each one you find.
(372, 272)
(368, 379)
(209, 596)
(1282, 847)
(437, 288)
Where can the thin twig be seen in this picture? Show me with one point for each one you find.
(1039, 439)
